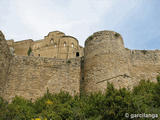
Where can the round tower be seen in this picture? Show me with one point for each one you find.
(104, 60)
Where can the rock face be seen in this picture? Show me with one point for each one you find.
(5, 58)
(105, 60)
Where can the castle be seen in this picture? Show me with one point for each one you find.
(55, 45)
(28, 68)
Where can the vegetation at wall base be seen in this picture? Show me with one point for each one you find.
(113, 105)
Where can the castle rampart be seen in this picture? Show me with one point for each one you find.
(145, 64)
(65, 67)
(5, 58)
(21, 47)
(104, 58)
(30, 77)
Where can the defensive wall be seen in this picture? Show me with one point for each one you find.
(30, 77)
(105, 59)
(5, 58)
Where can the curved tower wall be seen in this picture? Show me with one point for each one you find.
(105, 57)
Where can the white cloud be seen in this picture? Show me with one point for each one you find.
(24, 19)
(35, 18)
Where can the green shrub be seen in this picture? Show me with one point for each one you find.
(111, 105)
(158, 79)
(29, 51)
(3, 108)
(20, 109)
(117, 35)
(144, 51)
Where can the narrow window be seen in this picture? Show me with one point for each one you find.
(77, 54)
(55, 45)
(72, 45)
(64, 44)
(39, 55)
(52, 41)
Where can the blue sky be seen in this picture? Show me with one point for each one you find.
(138, 21)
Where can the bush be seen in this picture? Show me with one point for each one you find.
(144, 51)
(112, 105)
(29, 51)
(20, 109)
(3, 108)
(117, 34)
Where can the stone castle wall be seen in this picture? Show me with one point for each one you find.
(30, 77)
(5, 58)
(105, 59)
(21, 47)
(145, 64)
(55, 45)
(63, 48)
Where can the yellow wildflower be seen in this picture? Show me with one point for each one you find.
(49, 102)
(37, 119)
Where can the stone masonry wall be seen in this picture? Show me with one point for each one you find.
(31, 76)
(104, 58)
(55, 45)
(5, 58)
(21, 47)
(145, 64)
(107, 60)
